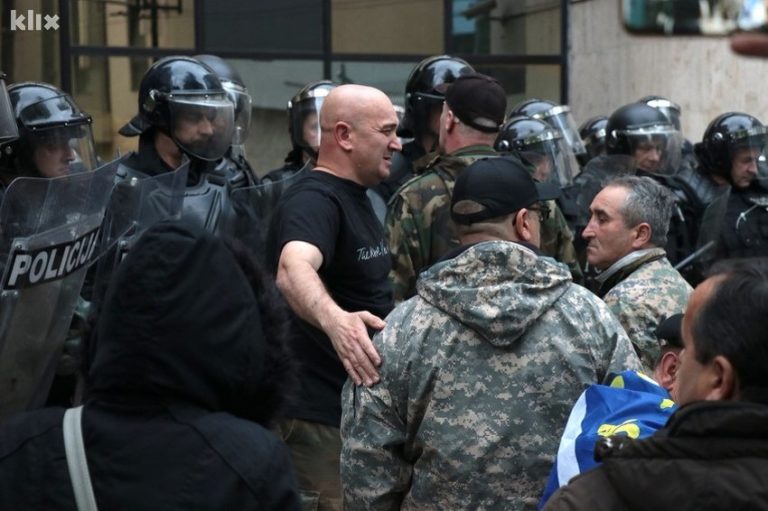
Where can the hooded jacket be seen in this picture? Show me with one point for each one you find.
(711, 455)
(479, 373)
(183, 381)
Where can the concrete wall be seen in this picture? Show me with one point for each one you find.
(609, 68)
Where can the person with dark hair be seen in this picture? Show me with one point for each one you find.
(625, 236)
(481, 367)
(713, 452)
(188, 370)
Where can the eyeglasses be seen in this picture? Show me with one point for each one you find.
(542, 211)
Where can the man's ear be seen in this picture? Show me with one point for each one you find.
(449, 120)
(642, 235)
(723, 381)
(666, 370)
(342, 132)
(522, 225)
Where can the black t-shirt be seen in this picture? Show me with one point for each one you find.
(334, 215)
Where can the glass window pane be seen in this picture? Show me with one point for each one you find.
(522, 82)
(30, 55)
(506, 27)
(146, 24)
(384, 26)
(263, 25)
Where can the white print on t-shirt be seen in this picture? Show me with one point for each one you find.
(367, 253)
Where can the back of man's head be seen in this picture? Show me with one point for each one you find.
(477, 104)
(730, 323)
(490, 190)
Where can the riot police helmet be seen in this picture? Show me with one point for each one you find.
(592, 132)
(557, 116)
(725, 135)
(669, 108)
(304, 115)
(645, 134)
(540, 145)
(55, 137)
(236, 90)
(184, 99)
(8, 129)
(422, 96)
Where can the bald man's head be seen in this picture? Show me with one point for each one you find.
(357, 139)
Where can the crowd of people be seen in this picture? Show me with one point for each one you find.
(470, 306)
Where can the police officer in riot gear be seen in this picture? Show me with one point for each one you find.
(238, 93)
(304, 128)
(557, 116)
(423, 102)
(184, 110)
(732, 152)
(672, 111)
(592, 133)
(8, 129)
(55, 136)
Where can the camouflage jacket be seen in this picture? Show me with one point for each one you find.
(420, 231)
(641, 290)
(480, 371)
(418, 225)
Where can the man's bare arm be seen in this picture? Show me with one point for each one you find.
(302, 287)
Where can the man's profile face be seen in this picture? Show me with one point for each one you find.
(376, 141)
(195, 125)
(690, 384)
(608, 237)
(53, 159)
(310, 131)
(647, 155)
(744, 166)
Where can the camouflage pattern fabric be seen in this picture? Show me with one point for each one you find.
(420, 231)
(480, 371)
(418, 224)
(653, 291)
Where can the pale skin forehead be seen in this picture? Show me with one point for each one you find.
(354, 104)
(610, 200)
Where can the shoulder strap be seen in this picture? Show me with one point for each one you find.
(76, 462)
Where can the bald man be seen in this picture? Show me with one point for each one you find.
(331, 259)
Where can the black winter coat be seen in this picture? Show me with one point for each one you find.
(181, 379)
(710, 456)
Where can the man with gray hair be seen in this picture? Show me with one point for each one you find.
(626, 234)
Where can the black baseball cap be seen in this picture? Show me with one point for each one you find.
(477, 100)
(669, 332)
(502, 185)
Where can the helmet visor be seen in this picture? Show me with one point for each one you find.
(655, 149)
(561, 119)
(551, 158)
(202, 126)
(62, 150)
(242, 101)
(8, 129)
(748, 150)
(305, 124)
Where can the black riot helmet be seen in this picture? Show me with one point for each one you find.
(726, 134)
(669, 108)
(422, 96)
(184, 99)
(8, 129)
(304, 116)
(542, 146)
(236, 90)
(592, 132)
(55, 137)
(557, 116)
(646, 134)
